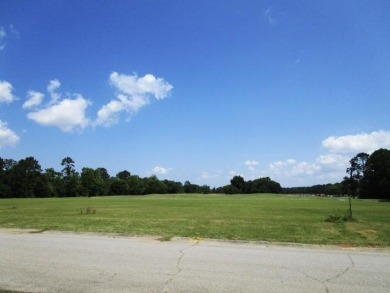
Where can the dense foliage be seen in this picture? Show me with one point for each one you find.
(260, 185)
(25, 178)
(368, 176)
(336, 189)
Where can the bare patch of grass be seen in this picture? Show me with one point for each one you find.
(88, 211)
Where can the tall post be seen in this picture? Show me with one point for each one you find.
(350, 206)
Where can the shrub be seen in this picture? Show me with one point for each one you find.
(338, 216)
(88, 211)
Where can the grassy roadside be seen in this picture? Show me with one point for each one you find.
(265, 217)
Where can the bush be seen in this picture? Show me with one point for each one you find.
(88, 211)
(338, 216)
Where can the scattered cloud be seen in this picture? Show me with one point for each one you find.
(67, 114)
(233, 173)
(305, 168)
(109, 114)
(6, 95)
(161, 170)
(133, 93)
(132, 85)
(330, 167)
(8, 138)
(205, 175)
(251, 164)
(51, 89)
(333, 160)
(34, 99)
(355, 143)
(6, 33)
(292, 168)
(14, 32)
(3, 35)
(268, 15)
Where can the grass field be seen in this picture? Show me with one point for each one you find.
(266, 217)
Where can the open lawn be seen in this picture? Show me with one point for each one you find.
(266, 217)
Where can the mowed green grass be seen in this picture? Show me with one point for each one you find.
(262, 217)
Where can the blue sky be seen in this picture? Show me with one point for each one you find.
(196, 90)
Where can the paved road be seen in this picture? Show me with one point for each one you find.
(66, 262)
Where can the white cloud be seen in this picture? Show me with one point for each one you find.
(269, 16)
(8, 138)
(161, 170)
(34, 99)
(51, 89)
(133, 94)
(6, 33)
(110, 113)
(205, 175)
(305, 168)
(68, 114)
(363, 142)
(3, 34)
(14, 32)
(251, 164)
(331, 166)
(132, 85)
(333, 160)
(291, 161)
(233, 173)
(6, 95)
(292, 168)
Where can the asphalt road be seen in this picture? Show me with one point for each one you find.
(67, 262)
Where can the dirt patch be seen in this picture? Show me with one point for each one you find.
(19, 231)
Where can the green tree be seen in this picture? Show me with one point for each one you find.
(191, 188)
(123, 175)
(230, 189)
(355, 173)
(54, 182)
(70, 177)
(92, 182)
(263, 185)
(68, 165)
(154, 185)
(239, 183)
(24, 178)
(103, 173)
(6, 166)
(118, 187)
(376, 180)
(136, 185)
(173, 186)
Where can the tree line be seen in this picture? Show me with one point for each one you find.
(260, 185)
(330, 189)
(368, 176)
(25, 178)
